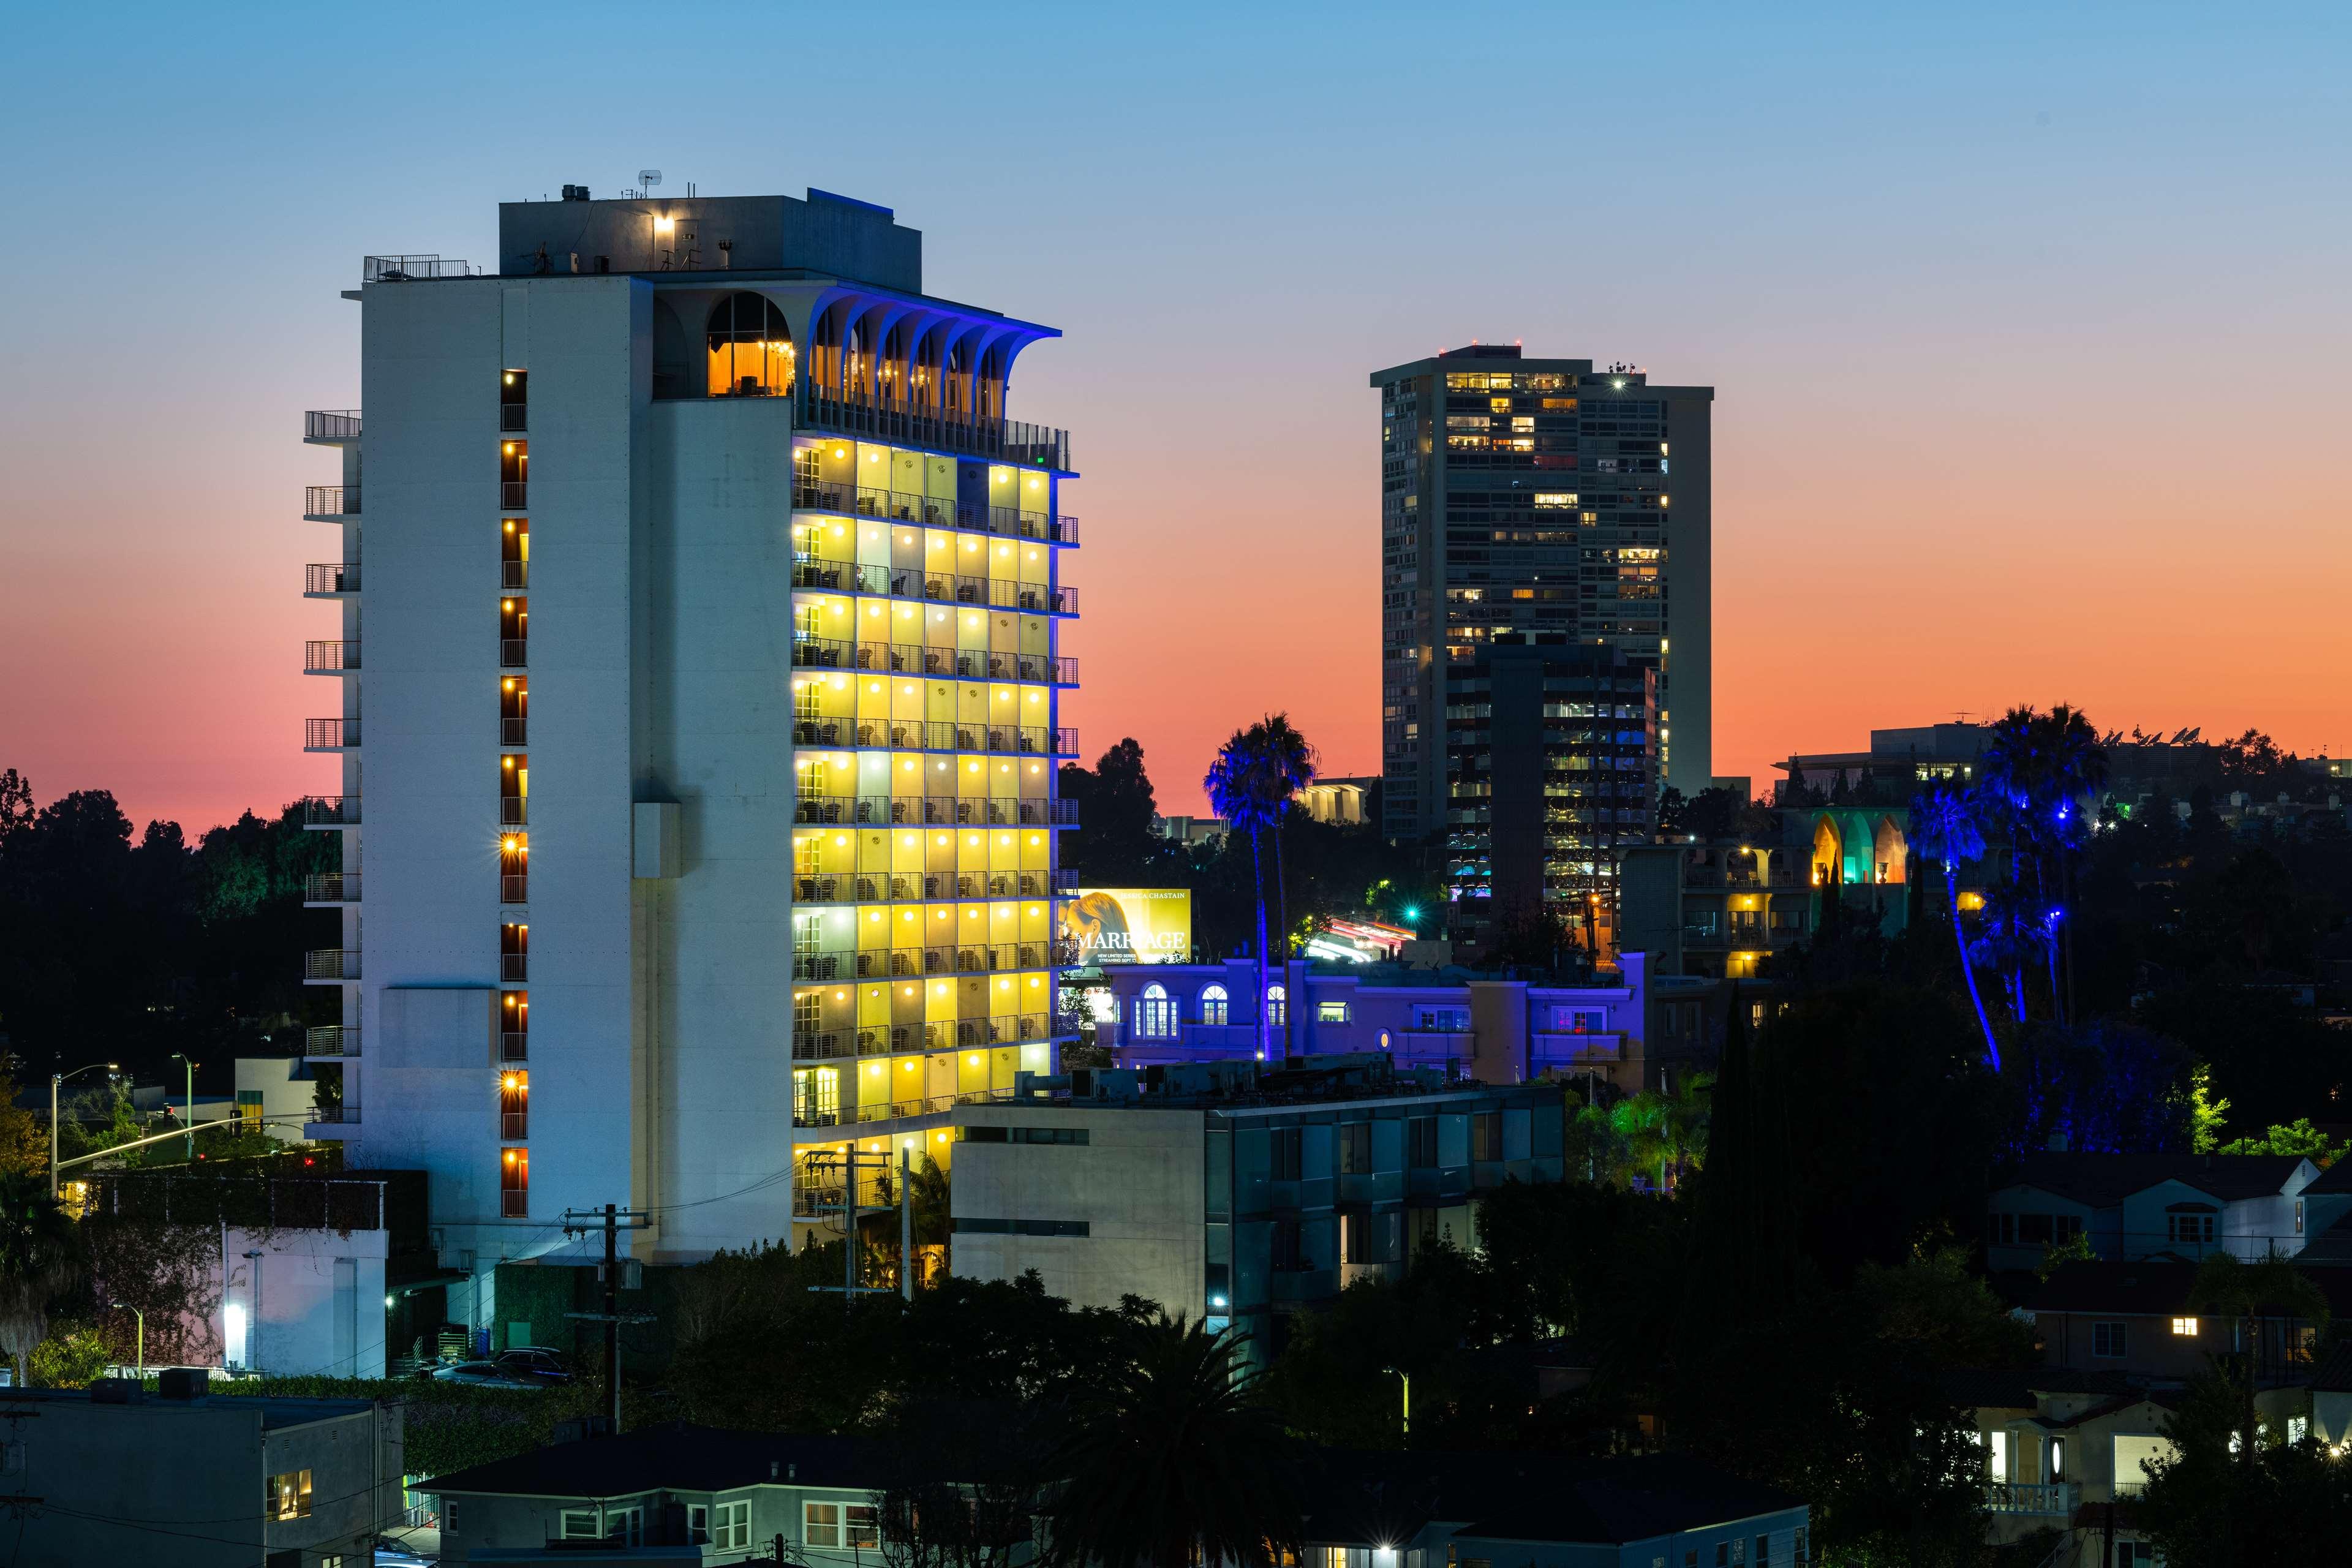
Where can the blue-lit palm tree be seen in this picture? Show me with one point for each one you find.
(2043, 771)
(1944, 828)
(1288, 767)
(1235, 794)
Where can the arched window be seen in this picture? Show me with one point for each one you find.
(1155, 1014)
(751, 347)
(1277, 1006)
(1213, 1004)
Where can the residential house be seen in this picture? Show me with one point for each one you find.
(2134, 1207)
(1435, 1510)
(2067, 1449)
(117, 1473)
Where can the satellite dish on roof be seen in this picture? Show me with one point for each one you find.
(649, 178)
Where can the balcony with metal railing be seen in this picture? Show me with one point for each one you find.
(331, 734)
(331, 426)
(329, 658)
(852, 412)
(934, 587)
(331, 811)
(946, 959)
(514, 1044)
(514, 574)
(940, 736)
(514, 889)
(514, 966)
(913, 659)
(514, 1126)
(514, 653)
(514, 811)
(331, 1040)
(327, 964)
(2047, 1498)
(940, 811)
(330, 503)
(932, 511)
(326, 888)
(330, 579)
(342, 1113)
(514, 495)
(514, 729)
(852, 888)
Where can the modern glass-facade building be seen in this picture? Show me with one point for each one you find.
(1544, 504)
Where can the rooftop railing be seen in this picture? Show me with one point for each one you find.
(414, 269)
(1012, 441)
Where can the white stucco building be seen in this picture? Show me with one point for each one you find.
(698, 778)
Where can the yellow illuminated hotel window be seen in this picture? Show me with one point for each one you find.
(751, 347)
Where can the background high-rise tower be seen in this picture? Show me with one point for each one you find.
(712, 615)
(1536, 501)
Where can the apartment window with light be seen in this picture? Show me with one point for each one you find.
(288, 1496)
(808, 1011)
(1330, 1012)
(1214, 1004)
(2186, 1328)
(514, 1185)
(1277, 1006)
(1155, 1014)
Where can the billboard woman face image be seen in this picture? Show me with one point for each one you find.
(1099, 922)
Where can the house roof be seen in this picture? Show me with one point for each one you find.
(2337, 1178)
(2152, 1287)
(2017, 1388)
(1618, 1500)
(2105, 1181)
(1375, 1498)
(674, 1457)
(2334, 1374)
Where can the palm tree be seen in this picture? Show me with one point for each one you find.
(1233, 788)
(2044, 770)
(1172, 1460)
(2243, 1289)
(42, 1255)
(1944, 828)
(1287, 766)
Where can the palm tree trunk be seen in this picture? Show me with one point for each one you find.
(1967, 970)
(1264, 1024)
(1281, 886)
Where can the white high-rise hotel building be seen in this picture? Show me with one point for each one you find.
(698, 804)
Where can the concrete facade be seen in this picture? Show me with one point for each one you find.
(590, 772)
(1231, 1192)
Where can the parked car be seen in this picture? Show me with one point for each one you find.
(535, 1362)
(483, 1374)
(390, 1553)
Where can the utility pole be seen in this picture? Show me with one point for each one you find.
(614, 1219)
(850, 1162)
(906, 1227)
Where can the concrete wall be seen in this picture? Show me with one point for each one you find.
(1137, 1184)
(311, 1304)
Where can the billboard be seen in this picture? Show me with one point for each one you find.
(1129, 925)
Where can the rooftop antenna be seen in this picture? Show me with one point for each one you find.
(648, 178)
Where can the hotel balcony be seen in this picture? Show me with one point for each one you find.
(514, 966)
(330, 579)
(514, 1126)
(514, 653)
(328, 966)
(514, 495)
(331, 426)
(330, 503)
(888, 963)
(344, 1114)
(514, 811)
(939, 811)
(514, 574)
(329, 658)
(851, 889)
(514, 1044)
(514, 730)
(331, 1040)
(934, 587)
(913, 659)
(1006, 739)
(331, 734)
(902, 1040)
(331, 811)
(514, 889)
(1014, 441)
(329, 888)
(1550, 1050)
(931, 511)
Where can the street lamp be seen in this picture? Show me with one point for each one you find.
(56, 1080)
(142, 1354)
(190, 1104)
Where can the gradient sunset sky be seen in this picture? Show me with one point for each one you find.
(2028, 326)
